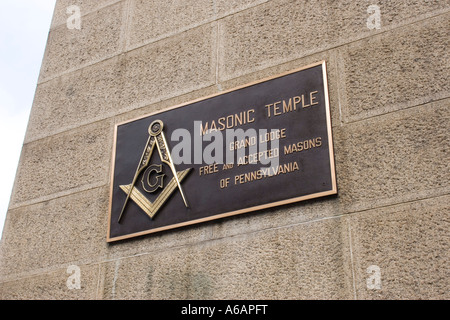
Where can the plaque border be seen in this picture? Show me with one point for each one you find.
(245, 210)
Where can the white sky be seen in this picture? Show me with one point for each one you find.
(24, 27)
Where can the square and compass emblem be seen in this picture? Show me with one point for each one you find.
(152, 178)
(146, 180)
(264, 144)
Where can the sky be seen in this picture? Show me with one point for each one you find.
(24, 28)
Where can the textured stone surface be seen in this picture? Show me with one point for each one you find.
(52, 286)
(281, 30)
(148, 22)
(170, 67)
(301, 261)
(301, 212)
(60, 14)
(397, 69)
(396, 157)
(410, 243)
(271, 33)
(146, 75)
(348, 19)
(329, 56)
(55, 232)
(99, 38)
(284, 216)
(161, 241)
(67, 162)
(225, 7)
(171, 102)
(75, 99)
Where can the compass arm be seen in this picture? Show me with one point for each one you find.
(167, 158)
(143, 163)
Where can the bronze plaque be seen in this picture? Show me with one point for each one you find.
(264, 144)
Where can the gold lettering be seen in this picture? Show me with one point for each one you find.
(227, 166)
(205, 170)
(287, 107)
(203, 131)
(238, 119)
(290, 104)
(244, 143)
(272, 135)
(266, 173)
(268, 109)
(296, 102)
(319, 141)
(311, 98)
(241, 161)
(250, 120)
(255, 157)
(228, 122)
(303, 102)
(213, 126)
(289, 149)
(276, 109)
(303, 145)
(229, 126)
(221, 122)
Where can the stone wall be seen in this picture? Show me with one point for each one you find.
(386, 234)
